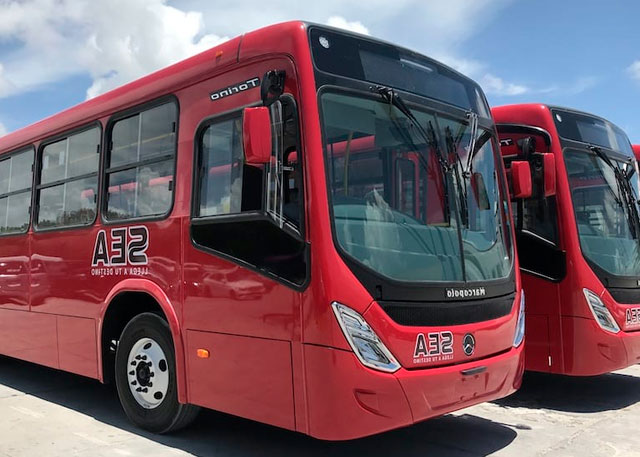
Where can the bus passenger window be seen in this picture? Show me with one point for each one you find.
(69, 181)
(221, 169)
(15, 192)
(141, 165)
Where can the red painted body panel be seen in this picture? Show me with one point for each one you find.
(558, 312)
(77, 345)
(29, 336)
(14, 273)
(277, 354)
(254, 393)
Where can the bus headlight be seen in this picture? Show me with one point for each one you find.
(519, 336)
(600, 312)
(369, 349)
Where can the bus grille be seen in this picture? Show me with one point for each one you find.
(448, 313)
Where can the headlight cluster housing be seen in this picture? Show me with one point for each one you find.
(600, 312)
(367, 346)
(518, 338)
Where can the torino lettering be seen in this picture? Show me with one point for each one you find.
(235, 89)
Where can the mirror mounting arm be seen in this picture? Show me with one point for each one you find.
(272, 86)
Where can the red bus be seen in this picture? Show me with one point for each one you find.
(287, 227)
(579, 249)
(636, 150)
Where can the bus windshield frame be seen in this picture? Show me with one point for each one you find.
(465, 221)
(606, 235)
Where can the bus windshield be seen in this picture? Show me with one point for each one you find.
(608, 232)
(591, 130)
(407, 201)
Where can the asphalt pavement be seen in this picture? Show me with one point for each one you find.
(47, 413)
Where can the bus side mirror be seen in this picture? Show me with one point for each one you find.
(549, 173)
(256, 135)
(521, 179)
(527, 146)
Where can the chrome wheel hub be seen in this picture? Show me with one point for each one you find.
(148, 373)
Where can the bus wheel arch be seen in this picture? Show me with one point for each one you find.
(127, 300)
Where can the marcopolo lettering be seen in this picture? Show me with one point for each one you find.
(235, 89)
(466, 292)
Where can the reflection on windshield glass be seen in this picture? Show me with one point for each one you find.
(606, 235)
(396, 209)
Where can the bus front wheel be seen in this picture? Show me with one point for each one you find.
(146, 376)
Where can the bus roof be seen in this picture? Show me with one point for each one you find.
(532, 110)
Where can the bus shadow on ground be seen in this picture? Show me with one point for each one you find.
(221, 434)
(592, 394)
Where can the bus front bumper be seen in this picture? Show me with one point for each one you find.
(346, 400)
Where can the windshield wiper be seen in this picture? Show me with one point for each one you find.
(459, 171)
(430, 138)
(394, 99)
(464, 172)
(626, 197)
(473, 123)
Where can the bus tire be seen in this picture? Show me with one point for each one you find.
(145, 375)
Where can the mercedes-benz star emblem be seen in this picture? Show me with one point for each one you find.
(468, 344)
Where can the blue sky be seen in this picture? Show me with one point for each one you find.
(581, 54)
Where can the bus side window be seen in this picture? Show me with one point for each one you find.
(228, 186)
(539, 218)
(15, 191)
(140, 164)
(69, 181)
(221, 168)
(262, 226)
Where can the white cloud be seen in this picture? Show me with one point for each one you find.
(469, 67)
(342, 23)
(113, 41)
(494, 85)
(6, 87)
(634, 70)
(3, 129)
(116, 41)
(581, 85)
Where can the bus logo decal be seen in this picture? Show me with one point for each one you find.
(235, 89)
(632, 317)
(123, 251)
(468, 344)
(435, 347)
